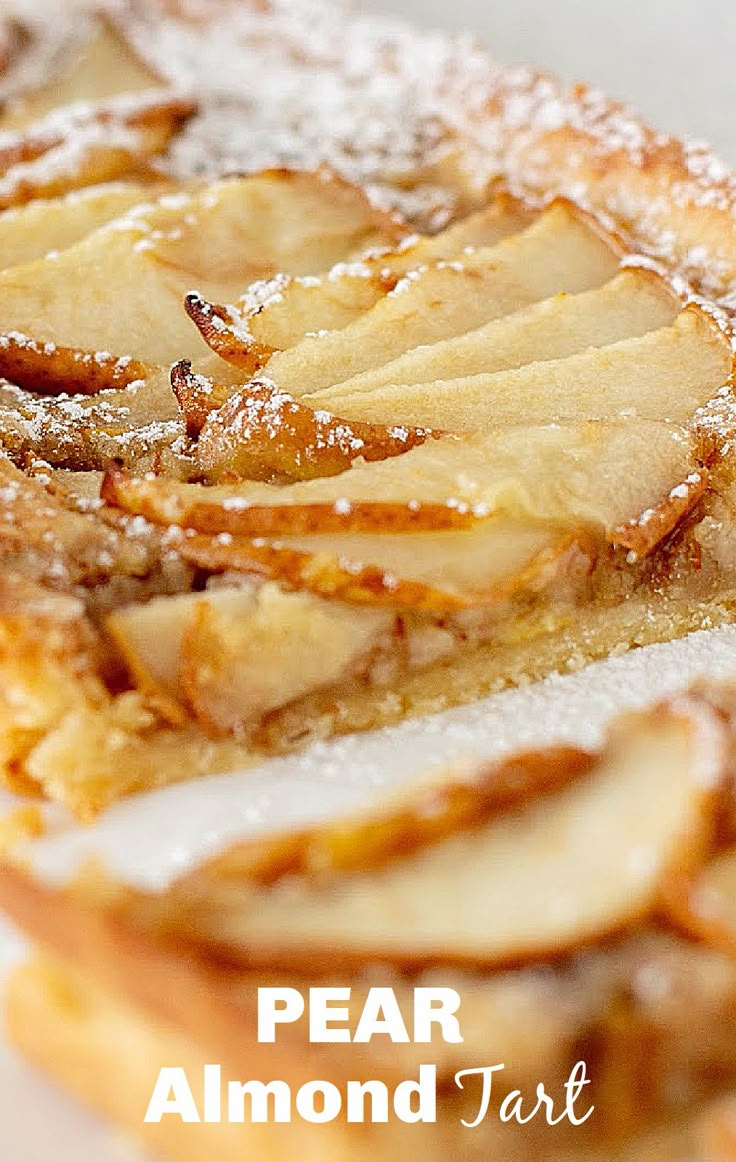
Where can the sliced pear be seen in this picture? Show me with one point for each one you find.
(240, 662)
(437, 572)
(197, 395)
(264, 433)
(632, 304)
(242, 229)
(160, 501)
(225, 338)
(598, 473)
(277, 314)
(412, 821)
(665, 375)
(52, 370)
(641, 535)
(103, 65)
(232, 655)
(32, 231)
(87, 145)
(705, 905)
(149, 637)
(566, 869)
(561, 251)
(502, 217)
(224, 234)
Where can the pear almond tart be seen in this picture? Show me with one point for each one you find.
(580, 903)
(285, 455)
(348, 378)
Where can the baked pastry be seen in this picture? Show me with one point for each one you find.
(580, 903)
(312, 449)
(282, 466)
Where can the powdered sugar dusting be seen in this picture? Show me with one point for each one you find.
(149, 840)
(425, 120)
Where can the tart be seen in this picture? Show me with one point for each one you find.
(389, 382)
(580, 902)
(301, 456)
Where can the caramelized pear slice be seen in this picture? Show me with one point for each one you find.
(429, 813)
(603, 474)
(32, 231)
(222, 236)
(630, 305)
(666, 375)
(263, 433)
(561, 251)
(565, 869)
(642, 534)
(278, 313)
(164, 502)
(439, 572)
(87, 145)
(52, 370)
(232, 655)
(197, 396)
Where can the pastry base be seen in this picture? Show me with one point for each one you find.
(586, 634)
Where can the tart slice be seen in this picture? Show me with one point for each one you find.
(557, 506)
(538, 888)
(301, 463)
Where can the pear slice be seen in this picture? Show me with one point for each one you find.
(222, 236)
(632, 304)
(52, 370)
(704, 905)
(502, 217)
(160, 501)
(437, 572)
(433, 810)
(103, 65)
(642, 534)
(277, 314)
(232, 655)
(561, 251)
(87, 145)
(239, 663)
(197, 395)
(263, 433)
(598, 473)
(32, 231)
(562, 870)
(243, 229)
(665, 375)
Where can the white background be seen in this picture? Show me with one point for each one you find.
(675, 60)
